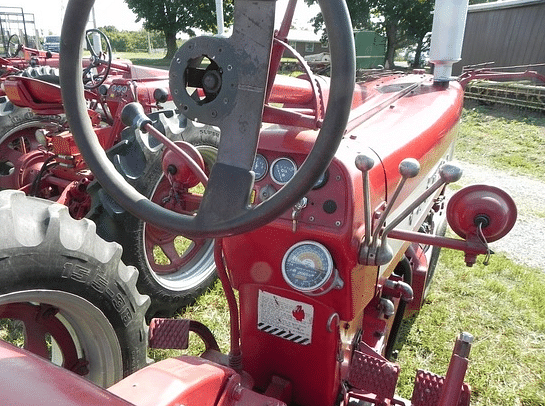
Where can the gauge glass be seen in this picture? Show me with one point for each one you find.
(307, 266)
(260, 167)
(282, 170)
(124, 89)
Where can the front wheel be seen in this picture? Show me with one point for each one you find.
(65, 294)
(174, 269)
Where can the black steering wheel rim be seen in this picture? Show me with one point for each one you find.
(96, 60)
(340, 99)
(14, 43)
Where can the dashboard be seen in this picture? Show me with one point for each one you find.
(326, 203)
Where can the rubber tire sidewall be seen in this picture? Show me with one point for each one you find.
(49, 264)
(12, 116)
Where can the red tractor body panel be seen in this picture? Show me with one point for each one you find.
(420, 124)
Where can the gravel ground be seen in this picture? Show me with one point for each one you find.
(525, 242)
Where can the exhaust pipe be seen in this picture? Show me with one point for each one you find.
(449, 21)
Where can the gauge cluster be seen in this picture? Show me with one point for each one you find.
(327, 199)
(281, 170)
(117, 91)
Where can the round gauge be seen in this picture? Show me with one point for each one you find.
(124, 89)
(322, 180)
(282, 170)
(307, 267)
(261, 166)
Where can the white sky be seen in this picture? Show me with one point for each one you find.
(48, 13)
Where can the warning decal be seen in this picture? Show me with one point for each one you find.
(285, 318)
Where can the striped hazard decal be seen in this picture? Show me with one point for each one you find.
(288, 335)
(285, 318)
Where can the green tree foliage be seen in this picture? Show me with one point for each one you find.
(174, 16)
(399, 20)
(417, 22)
(133, 41)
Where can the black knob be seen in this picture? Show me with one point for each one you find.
(103, 89)
(160, 95)
(133, 115)
(330, 206)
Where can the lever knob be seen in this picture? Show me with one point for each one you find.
(160, 95)
(450, 173)
(409, 168)
(133, 115)
(364, 163)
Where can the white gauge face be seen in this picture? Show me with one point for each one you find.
(307, 266)
(282, 170)
(260, 167)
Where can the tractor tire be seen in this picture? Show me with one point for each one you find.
(170, 285)
(76, 301)
(44, 73)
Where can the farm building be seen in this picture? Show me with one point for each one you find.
(507, 33)
(306, 42)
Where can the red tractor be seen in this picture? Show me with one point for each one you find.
(326, 203)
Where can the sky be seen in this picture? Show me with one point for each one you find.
(48, 14)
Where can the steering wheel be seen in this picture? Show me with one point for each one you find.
(14, 46)
(96, 73)
(234, 89)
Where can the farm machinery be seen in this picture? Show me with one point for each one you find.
(326, 203)
(39, 156)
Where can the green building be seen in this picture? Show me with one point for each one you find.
(370, 49)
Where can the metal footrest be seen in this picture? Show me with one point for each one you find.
(428, 387)
(373, 375)
(169, 333)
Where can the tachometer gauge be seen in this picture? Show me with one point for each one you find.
(308, 267)
(260, 167)
(282, 170)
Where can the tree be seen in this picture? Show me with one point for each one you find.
(174, 16)
(417, 22)
(392, 18)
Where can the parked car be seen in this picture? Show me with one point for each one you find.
(52, 43)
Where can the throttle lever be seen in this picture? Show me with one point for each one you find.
(375, 249)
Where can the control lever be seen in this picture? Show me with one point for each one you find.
(454, 380)
(375, 249)
(364, 164)
(408, 168)
(448, 173)
(133, 115)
